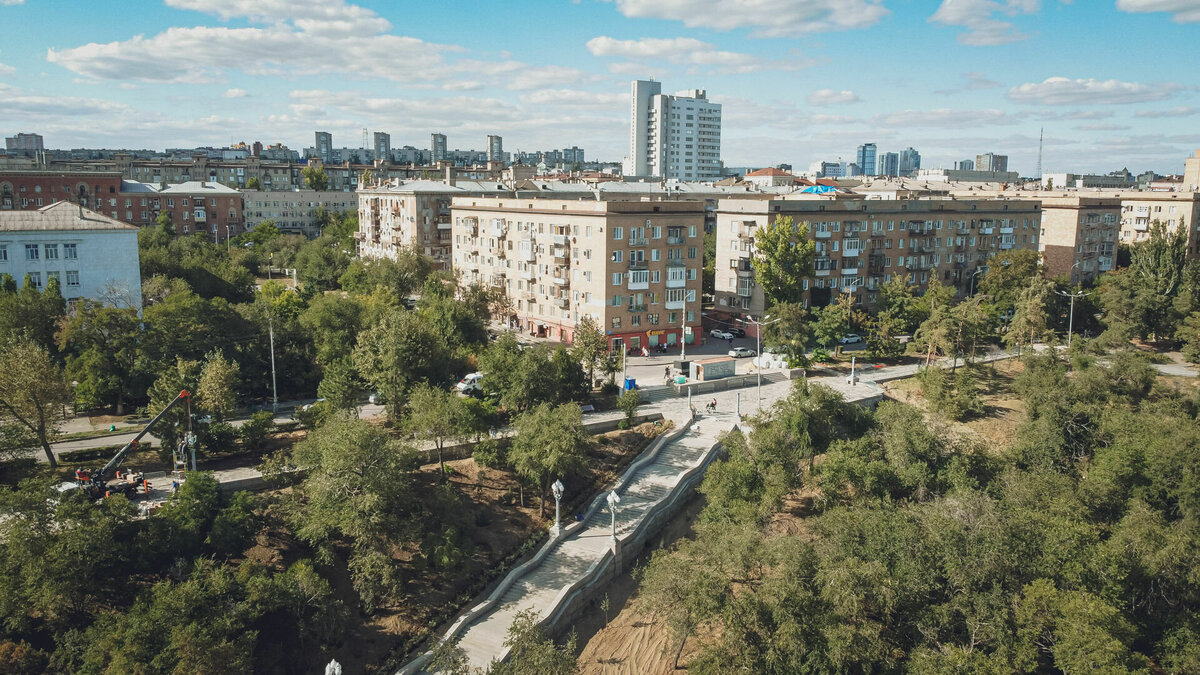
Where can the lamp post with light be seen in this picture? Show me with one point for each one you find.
(613, 499)
(557, 489)
(758, 326)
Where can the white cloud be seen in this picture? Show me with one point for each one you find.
(1088, 115)
(974, 82)
(234, 93)
(1103, 127)
(978, 17)
(317, 17)
(832, 97)
(1178, 111)
(1185, 11)
(576, 98)
(764, 18)
(1064, 91)
(12, 2)
(6, 70)
(943, 118)
(685, 51)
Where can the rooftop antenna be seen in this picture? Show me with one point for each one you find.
(1041, 136)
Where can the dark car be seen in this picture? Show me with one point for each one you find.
(738, 332)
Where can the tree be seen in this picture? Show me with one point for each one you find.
(549, 441)
(104, 354)
(357, 485)
(589, 346)
(333, 322)
(1157, 265)
(1189, 335)
(437, 416)
(34, 393)
(792, 329)
(398, 352)
(531, 652)
(320, 264)
(315, 177)
(783, 258)
(628, 403)
(708, 282)
(263, 233)
(182, 376)
(254, 183)
(218, 387)
(1007, 277)
(899, 300)
(882, 340)
(1030, 320)
(30, 313)
(340, 386)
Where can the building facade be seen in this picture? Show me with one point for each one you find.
(495, 149)
(863, 243)
(889, 164)
(200, 207)
(865, 159)
(1173, 209)
(324, 146)
(909, 162)
(633, 266)
(294, 211)
(1079, 236)
(383, 145)
(91, 255)
(24, 144)
(415, 215)
(673, 136)
(437, 147)
(991, 162)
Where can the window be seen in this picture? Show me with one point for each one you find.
(691, 230)
(32, 252)
(3, 254)
(692, 252)
(616, 322)
(35, 278)
(618, 256)
(618, 233)
(72, 278)
(616, 278)
(70, 252)
(635, 320)
(51, 251)
(616, 301)
(652, 319)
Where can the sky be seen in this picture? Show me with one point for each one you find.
(1111, 83)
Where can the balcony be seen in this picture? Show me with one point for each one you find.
(636, 308)
(528, 274)
(526, 254)
(561, 278)
(1006, 230)
(498, 229)
(676, 262)
(987, 230)
(639, 282)
(675, 304)
(676, 281)
(850, 270)
(674, 241)
(562, 302)
(561, 261)
(560, 240)
(635, 242)
(822, 234)
(637, 264)
(360, 235)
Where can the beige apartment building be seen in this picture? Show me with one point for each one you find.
(862, 243)
(1173, 209)
(634, 266)
(1079, 235)
(414, 215)
(294, 211)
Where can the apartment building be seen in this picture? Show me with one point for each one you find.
(1079, 235)
(294, 211)
(1173, 209)
(199, 207)
(673, 136)
(91, 255)
(33, 189)
(634, 266)
(863, 243)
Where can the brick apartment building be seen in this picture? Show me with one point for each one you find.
(634, 266)
(1079, 235)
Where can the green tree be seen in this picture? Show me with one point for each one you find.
(256, 429)
(340, 385)
(898, 299)
(31, 314)
(34, 393)
(1157, 264)
(792, 330)
(103, 348)
(254, 183)
(182, 376)
(437, 416)
(333, 322)
(708, 283)
(783, 259)
(357, 487)
(397, 353)
(1007, 277)
(589, 346)
(320, 264)
(263, 233)
(315, 177)
(1189, 335)
(628, 403)
(1030, 320)
(217, 389)
(531, 652)
(550, 442)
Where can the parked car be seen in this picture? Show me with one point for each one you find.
(739, 352)
(375, 398)
(738, 332)
(720, 334)
(469, 383)
(309, 406)
(852, 339)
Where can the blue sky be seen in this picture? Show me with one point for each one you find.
(1112, 82)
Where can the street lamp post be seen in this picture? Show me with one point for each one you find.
(557, 489)
(758, 326)
(613, 499)
(1071, 317)
(974, 276)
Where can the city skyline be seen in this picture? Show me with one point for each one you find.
(811, 80)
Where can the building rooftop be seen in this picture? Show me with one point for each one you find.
(195, 186)
(769, 171)
(59, 216)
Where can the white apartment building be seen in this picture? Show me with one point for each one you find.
(634, 266)
(294, 211)
(675, 136)
(92, 256)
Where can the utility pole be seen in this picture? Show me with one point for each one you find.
(1071, 315)
(274, 391)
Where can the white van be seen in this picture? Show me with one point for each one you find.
(469, 383)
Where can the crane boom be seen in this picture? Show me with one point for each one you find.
(113, 463)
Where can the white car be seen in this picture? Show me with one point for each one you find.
(852, 339)
(739, 352)
(469, 383)
(720, 334)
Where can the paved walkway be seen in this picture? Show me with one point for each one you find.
(570, 558)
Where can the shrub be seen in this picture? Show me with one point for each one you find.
(260, 425)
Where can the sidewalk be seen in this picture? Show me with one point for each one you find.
(570, 558)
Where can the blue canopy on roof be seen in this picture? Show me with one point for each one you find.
(819, 189)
